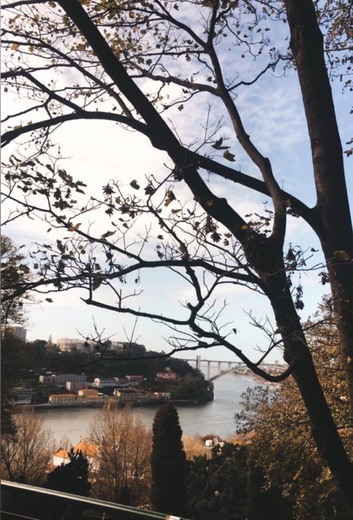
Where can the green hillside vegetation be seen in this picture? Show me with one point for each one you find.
(34, 359)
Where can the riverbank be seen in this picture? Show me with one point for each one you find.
(121, 404)
(214, 417)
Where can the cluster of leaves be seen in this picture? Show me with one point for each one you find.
(14, 274)
(150, 39)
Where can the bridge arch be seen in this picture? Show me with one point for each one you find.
(224, 367)
(221, 366)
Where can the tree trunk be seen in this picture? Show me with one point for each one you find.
(297, 354)
(335, 231)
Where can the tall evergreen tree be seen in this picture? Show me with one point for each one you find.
(168, 463)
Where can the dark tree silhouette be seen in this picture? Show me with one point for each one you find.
(216, 486)
(10, 346)
(71, 477)
(168, 463)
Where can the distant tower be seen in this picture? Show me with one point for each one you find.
(49, 344)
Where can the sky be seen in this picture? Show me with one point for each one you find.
(99, 151)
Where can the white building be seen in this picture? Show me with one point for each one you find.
(62, 379)
(85, 447)
(81, 345)
(75, 386)
(103, 383)
(68, 344)
(17, 330)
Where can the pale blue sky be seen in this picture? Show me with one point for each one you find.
(98, 151)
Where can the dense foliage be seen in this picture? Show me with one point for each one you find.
(229, 485)
(14, 273)
(216, 486)
(282, 445)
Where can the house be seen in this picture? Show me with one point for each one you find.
(75, 386)
(127, 396)
(60, 457)
(61, 379)
(47, 379)
(70, 344)
(84, 446)
(62, 399)
(88, 393)
(104, 383)
(210, 441)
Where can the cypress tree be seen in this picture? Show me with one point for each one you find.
(168, 463)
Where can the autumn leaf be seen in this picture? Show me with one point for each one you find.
(108, 234)
(96, 282)
(229, 156)
(218, 145)
(169, 197)
(74, 228)
(134, 184)
(216, 237)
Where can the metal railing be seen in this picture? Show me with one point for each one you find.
(25, 502)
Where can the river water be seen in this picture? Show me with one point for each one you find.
(215, 417)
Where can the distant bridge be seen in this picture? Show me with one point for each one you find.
(224, 367)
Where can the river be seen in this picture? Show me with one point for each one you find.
(216, 417)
